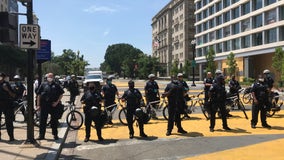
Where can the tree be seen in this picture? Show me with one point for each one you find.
(210, 56)
(232, 64)
(277, 62)
(186, 68)
(174, 69)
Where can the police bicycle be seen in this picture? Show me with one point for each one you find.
(108, 114)
(123, 112)
(192, 106)
(247, 96)
(18, 105)
(74, 118)
(233, 101)
(276, 105)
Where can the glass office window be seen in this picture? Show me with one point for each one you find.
(226, 3)
(205, 2)
(219, 48)
(219, 34)
(212, 36)
(211, 10)
(257, 39)
(236, 28)
(205, 38)
(268, 2)
(205, 14)
(235, 1)
(218, 20)
(211, 23)
(199, 28)
(246, 25)
(205, 26)
(235, 13)
(199, 52)
(257, 21)
(281, 13)
(256, 4)
(246, 41)
(246, 8)
(199, 40)
(226, 46)
(281, 33)
(218, 6)
(198, 5)
(198, 16)
(226, 16)
(270, 35)
(236, 44)
(227, 31)
(270, 16)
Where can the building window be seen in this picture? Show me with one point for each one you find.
(281, 13)
(236, 44)
(281, 33)
(227, 16)
(205, 2)
(199, 41)
(226, 3)
(257, 39)
(235, 13)
(270, 35)
(205, 14)
(199, 52)
(211, 23)
(246, 41)
(219, 48)
(198, 16)
(181, 26)
(218, 6)
(270, 16)
(198, 5)
(236, 28)
(226, 46)
(205, 38)
(219, 34)
(211, 10)
(268, 2)
(256, 4)
(257, 21)
(235, 1)
(246, 8)
(205, 26)
(218, 20)
(198, 28)
(246, 25)
(212, 36)
(227, 31)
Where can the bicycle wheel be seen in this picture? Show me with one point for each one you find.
(242, 107)
(204, 111)
(19, 117)
(36, 118)
(270, 113)
(247, 98)
(148, 112)
(74, 119)
(166, 112)
(122, 116)
(2, 120)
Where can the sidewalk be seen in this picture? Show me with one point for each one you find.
(47, 149)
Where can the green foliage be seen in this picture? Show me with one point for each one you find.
(232, 64)
(174, 69)
(278, 61)
(186, 68)
(210, 56)
(247, 81)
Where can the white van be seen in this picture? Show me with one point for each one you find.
(94, 76)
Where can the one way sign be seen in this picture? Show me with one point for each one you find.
(29, 36)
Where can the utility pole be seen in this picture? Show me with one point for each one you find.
(30, 96)
(193, 63)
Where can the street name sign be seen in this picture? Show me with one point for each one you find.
(29, 36)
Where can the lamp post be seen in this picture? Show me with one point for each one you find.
(193, 63)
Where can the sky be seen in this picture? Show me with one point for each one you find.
(90, 26)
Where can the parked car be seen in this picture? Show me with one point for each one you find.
(80, 80)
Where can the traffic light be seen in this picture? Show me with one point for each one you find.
(8, 28)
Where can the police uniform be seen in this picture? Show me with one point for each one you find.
(260, 92)
(234, 86)
(206, 90)
(152, 91)
(49, 93)
(19, 90)
(92, 98)
(175, 94)
(73, 88)
(7, 108)
(133, 98)
(109, 91)
(217, 94)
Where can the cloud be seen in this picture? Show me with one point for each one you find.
(106, 32)
(105, 9)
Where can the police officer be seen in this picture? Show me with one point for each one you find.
(268, 82)
(185, 93)
(260, 98)
(109, 91)
(133, 98)
(234, 86)
(49, 95)
(217, 95)
(19, 89)
(208, 81)
(73, 88)
(152, 92)
(174, 91)
(92, 99)
(6, 99)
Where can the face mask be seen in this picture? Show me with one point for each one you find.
(92, 88)
(49, 79)
(131, 86)
(108, 82)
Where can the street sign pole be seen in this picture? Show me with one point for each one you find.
(30, 95)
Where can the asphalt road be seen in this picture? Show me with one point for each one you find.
(242, 142)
